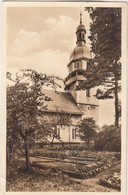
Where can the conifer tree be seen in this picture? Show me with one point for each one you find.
(105, 68)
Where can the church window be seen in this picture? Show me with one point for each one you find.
(73, 74)
(80, 36)
(88, 92)
(77, 64)
(58, 132)
(73, 133)
(83, 36)
(87, 64)
(80, 73)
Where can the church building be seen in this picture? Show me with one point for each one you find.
(74, 103)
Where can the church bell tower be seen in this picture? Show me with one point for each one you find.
(77, 66)
(78, 62)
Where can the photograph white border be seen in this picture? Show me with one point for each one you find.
(3, 99)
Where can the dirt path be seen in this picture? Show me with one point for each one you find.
(92, 184)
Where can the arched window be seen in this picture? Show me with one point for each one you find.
(83, 36)
(88, 92)
(73, 133)
(87, 64)
(77, 64)
(80, 36)
(57, 132)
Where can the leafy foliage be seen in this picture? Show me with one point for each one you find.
(109, 139)
(87, 129)
(25, 100)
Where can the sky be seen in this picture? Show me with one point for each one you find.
(42, 38)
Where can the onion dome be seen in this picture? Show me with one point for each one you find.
(81, 27)
(80, 52)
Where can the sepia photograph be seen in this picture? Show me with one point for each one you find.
(65, 79)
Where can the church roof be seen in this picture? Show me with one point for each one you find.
(80, 52)
(81, 27)
(61, 102)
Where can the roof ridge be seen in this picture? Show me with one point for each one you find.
(56, 91)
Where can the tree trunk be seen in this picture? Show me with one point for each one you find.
(52, 140)
(55, 130)
(116, 103)
(27, 155)
(88, 141)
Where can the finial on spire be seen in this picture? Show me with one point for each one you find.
(81, 15)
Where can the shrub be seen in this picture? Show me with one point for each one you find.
(86, 129)
(108, 139)
(13, 163)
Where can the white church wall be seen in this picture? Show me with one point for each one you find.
(83, 99)
(67, 134)
(65, 131)
(80, 96)
(90, 111)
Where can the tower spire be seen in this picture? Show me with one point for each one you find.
(81, 32)
(81, 15)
